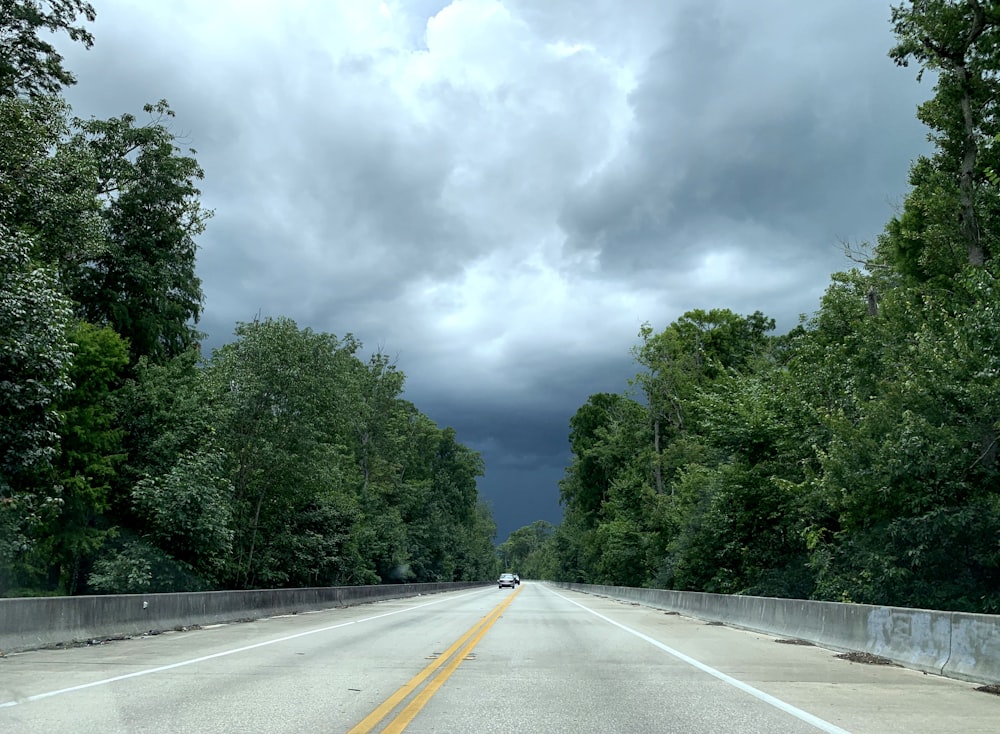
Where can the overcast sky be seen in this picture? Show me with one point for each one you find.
(498, 193)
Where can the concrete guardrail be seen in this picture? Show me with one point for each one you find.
(952, 644)
(34, 622)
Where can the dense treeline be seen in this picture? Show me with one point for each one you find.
(529, 551)
(131, 462)
(854, 458)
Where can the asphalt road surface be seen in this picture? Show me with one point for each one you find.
(535, 659)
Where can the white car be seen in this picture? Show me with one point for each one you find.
(507, 579)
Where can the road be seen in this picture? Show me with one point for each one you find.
(536, 659)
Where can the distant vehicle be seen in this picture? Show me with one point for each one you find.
(508, 580)
(517, 579)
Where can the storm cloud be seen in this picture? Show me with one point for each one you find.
(499, 193)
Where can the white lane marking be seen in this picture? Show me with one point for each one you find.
(224, 653)
(788, 708)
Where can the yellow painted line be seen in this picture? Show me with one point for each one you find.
(414, 707)
(386, 707)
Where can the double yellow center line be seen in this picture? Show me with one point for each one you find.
(449, 659)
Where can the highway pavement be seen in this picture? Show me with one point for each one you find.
(535, 659)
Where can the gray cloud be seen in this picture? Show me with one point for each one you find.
(500, 193)
(788, 121)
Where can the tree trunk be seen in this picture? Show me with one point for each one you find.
(253, 541)
(966, 181)
(657, 464)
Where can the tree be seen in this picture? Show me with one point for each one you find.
(540, 562)
(739, 517)
(522, 543)
(90, 454)
(114, 208)
(187, 512)
(35, 358)
(28, 64)
(604, 434)
(910, 466)
(451, 505)
(477, 556)
(48, 185)
(695, 350)
(957, 39)
(143, 283)
(166, 412)
(127, 459)
(276, 391)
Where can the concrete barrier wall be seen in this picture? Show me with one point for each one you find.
(963, 646)
(27, 623)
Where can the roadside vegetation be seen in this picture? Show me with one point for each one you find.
(853, 458)
(129, 460)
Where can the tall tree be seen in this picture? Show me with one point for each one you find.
(275, 388)
(599, 451)
(528, 550)
(958, 40)
(90, 454)
(35, 361)
(48, 185)
(698, 348)
(29, 64)
(143, 283)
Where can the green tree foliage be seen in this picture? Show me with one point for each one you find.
(165, 411)
(332, 477)
(35, 362)
(29, 64)
(911, 457)
(36, 354)
(738, 511)
(477, 553)
(138, 567)
(273, 387)
(529, 551)
(285, 460)
(128, 461)
(607, 490)
(62, 218)
(48, 185)
(854, 458)
(143, 282)
(698, 349)
(113, 207)
(91, 452)
(188, 511)
(603, 434)
(958, 41)
(442, 499)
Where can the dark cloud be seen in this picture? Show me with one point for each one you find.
(500, 192)
(750, 126)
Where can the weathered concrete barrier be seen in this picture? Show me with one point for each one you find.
(963, 646)
(27, 623)
(975, 648)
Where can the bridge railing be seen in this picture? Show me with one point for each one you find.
(953, 644)
(34, 622)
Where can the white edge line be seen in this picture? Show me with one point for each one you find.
(224, 653)
(767, 698)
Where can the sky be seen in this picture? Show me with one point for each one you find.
(498, 194)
